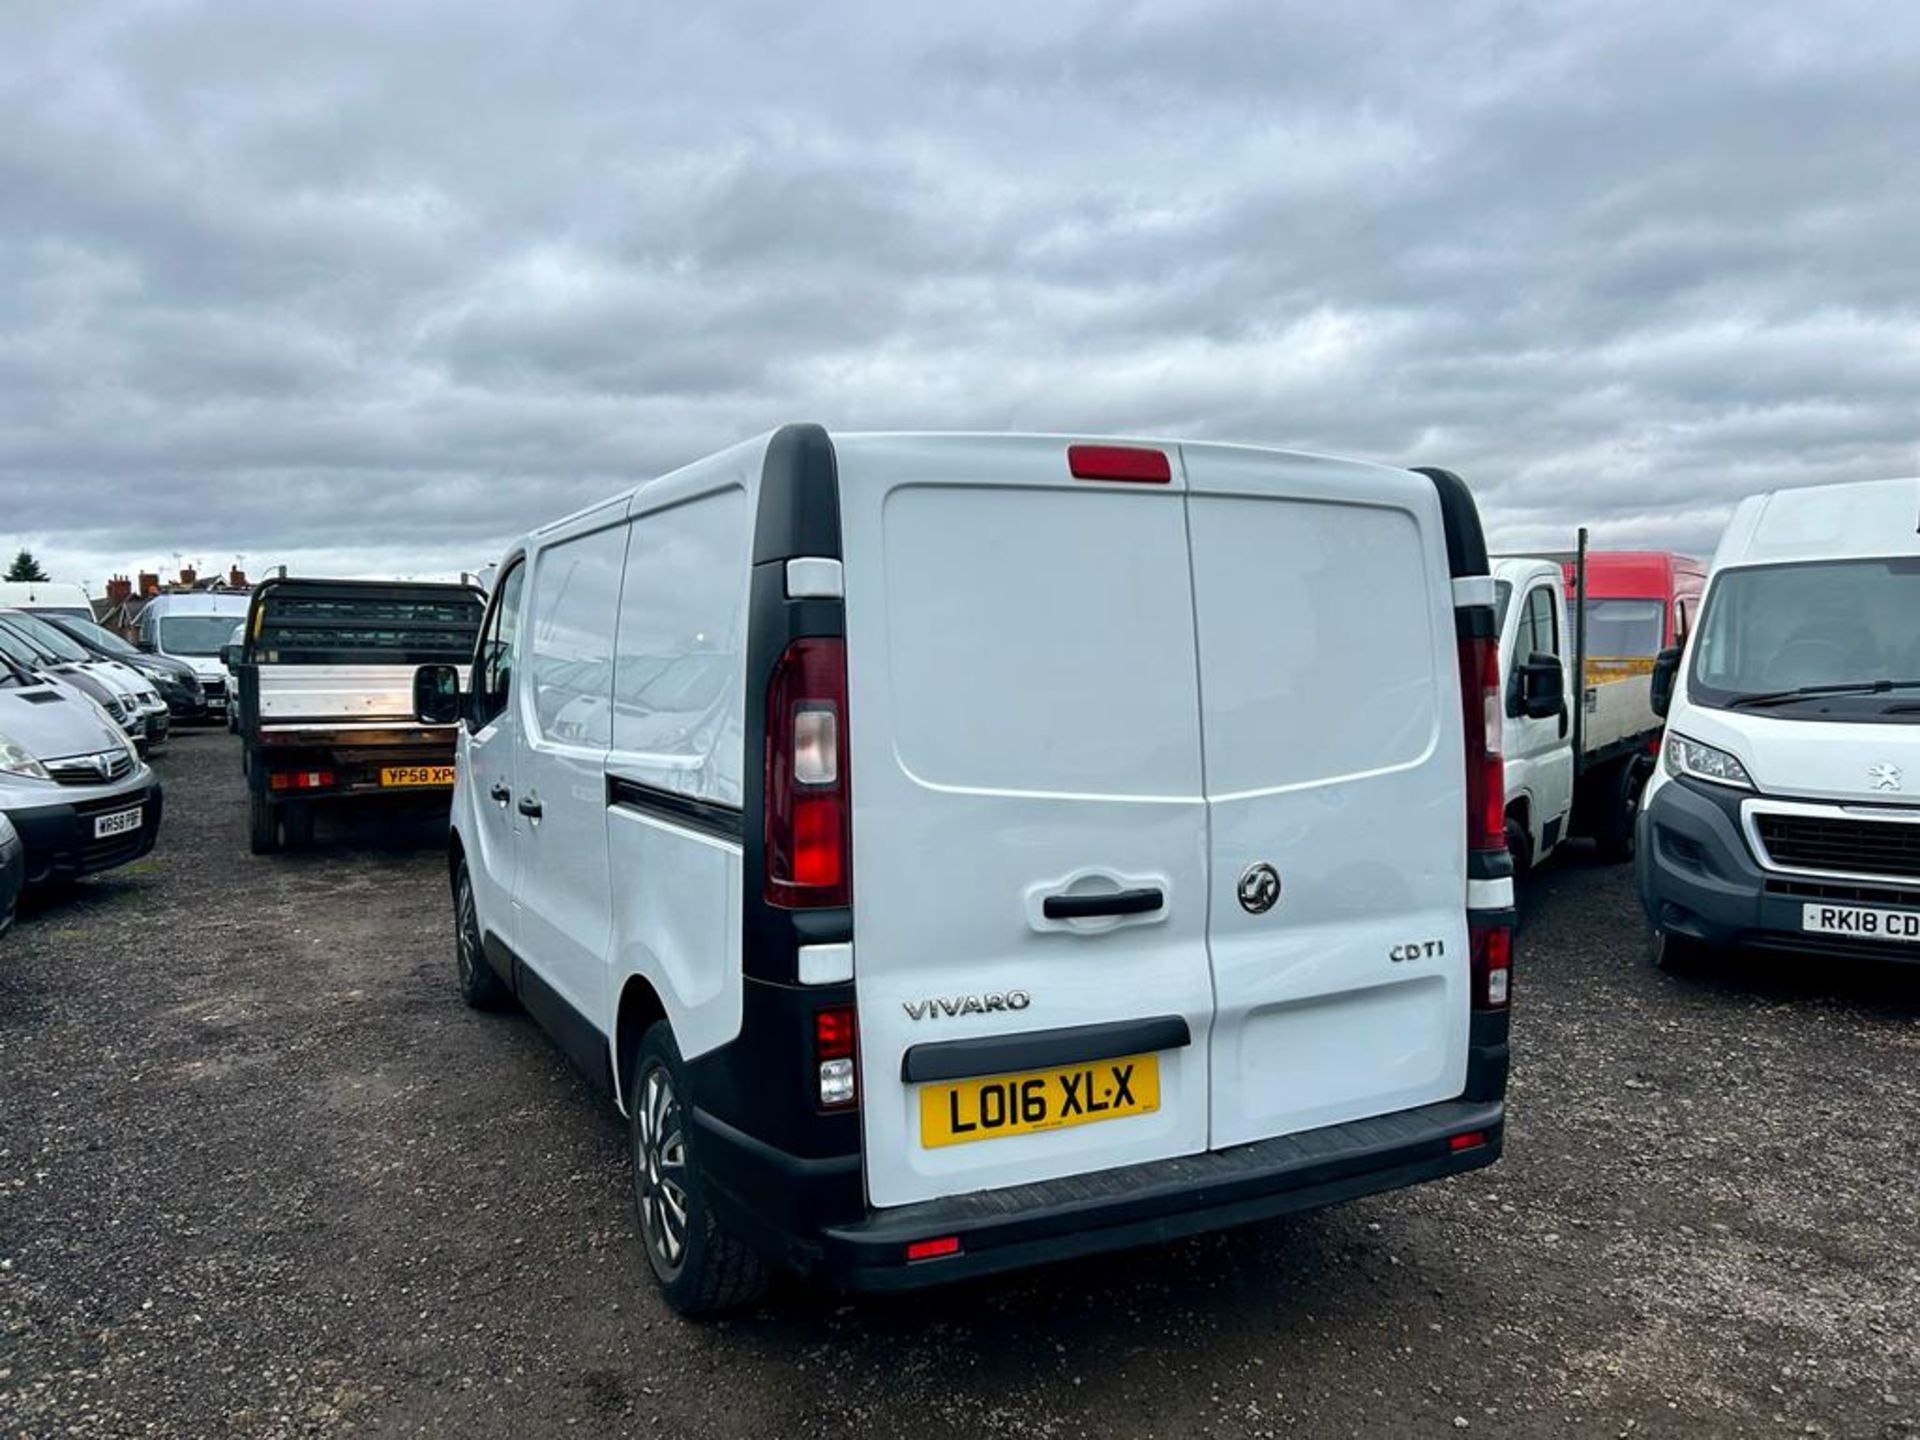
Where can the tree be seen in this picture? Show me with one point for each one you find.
(25, 567)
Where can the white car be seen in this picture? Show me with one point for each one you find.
(135, 701)
(229, 662)
(1786, 810)
(955, 852)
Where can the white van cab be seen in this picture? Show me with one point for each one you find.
(53, 596)
(1786, 813)
(193, 625)
(959, 851)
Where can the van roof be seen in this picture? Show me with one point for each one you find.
(746, 457)
(31, 592)
(1824, 522)
(1626, 574)
(199, 602)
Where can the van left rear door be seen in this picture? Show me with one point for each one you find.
(1029, 880)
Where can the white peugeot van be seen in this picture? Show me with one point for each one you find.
(193, 625)
(1786, 814)
(955, 852)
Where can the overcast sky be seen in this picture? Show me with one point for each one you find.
(368, 288)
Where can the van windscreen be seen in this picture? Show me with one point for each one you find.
(194, 634)
(342, 626)
(1816, 628)
(1625, 629)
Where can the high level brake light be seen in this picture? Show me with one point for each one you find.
(1136, 463)
(809, 809)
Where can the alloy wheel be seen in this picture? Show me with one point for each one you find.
(660, 1171)
(467, 932)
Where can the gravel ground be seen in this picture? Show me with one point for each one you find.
(261, 1174)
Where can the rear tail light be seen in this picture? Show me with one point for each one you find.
(834, 1031)
(1486, 769)
(301, 780)
(809, 809)
(1492, 949)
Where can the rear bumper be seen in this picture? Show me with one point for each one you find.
(354, 765)
(59, 839)
(1698, 877)
(1000, 1230)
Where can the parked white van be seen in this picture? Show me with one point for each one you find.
(1786, 813)
(193, 626)
(58, 597)
(959, 851)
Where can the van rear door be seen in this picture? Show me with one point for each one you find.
(1029, 834)
(1332, 741)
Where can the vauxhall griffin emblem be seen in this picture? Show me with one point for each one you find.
(1259, 888)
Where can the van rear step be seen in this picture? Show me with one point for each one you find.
(1162, 1200)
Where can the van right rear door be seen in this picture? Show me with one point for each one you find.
(1334, 776)
(1025, 739)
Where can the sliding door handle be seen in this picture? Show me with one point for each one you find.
(1143, 901)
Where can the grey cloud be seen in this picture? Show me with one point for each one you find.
(373, 288)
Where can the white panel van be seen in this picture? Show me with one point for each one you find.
(958, 851)
(1786, 811)
(47, 596)
(192, 626)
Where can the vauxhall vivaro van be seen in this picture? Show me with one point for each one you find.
(955, 852)
(1786, 813)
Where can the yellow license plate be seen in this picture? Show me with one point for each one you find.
(968, 1110)
(416, 775)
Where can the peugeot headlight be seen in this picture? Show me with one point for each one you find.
(1704, 762)
(15, 760)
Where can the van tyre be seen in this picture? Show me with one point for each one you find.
(296, 825)
(1619, 795)
(263, 825)
(1520, 847)
(1675, 953)
(701, 1269)
(480, 986)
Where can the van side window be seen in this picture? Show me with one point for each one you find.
(493, 662)
(682, 647)
(570, 616)
(1540, 626)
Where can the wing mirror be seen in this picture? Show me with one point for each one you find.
(230, 656)
(1543, 687)
(1666, 670)
(436, 695)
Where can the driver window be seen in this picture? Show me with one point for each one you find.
(493, 668)
(1540, 626)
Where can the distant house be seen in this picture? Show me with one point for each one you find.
(119, 609)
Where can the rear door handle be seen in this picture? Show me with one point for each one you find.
(529, 807)
(1093, 907)
(500, 792)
